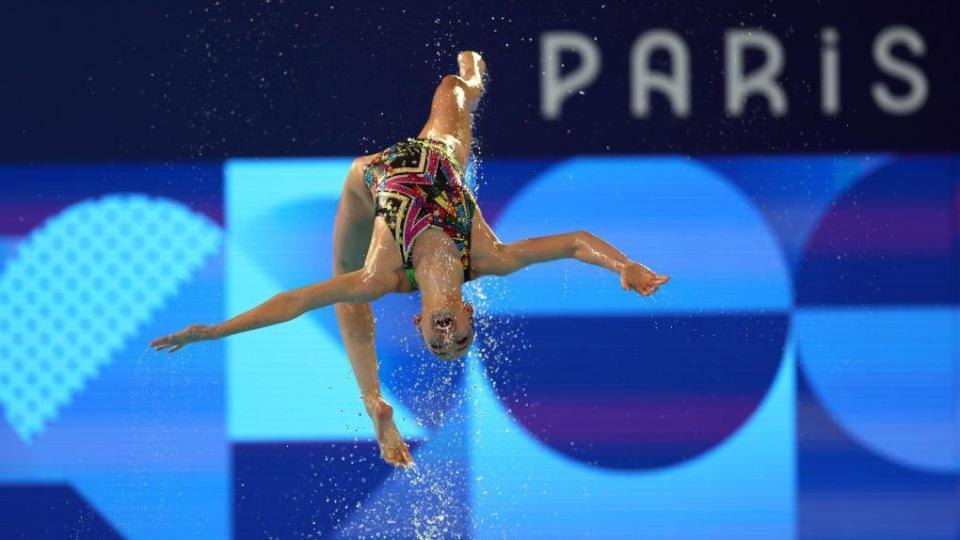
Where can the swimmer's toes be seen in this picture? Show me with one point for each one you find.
(398, 456)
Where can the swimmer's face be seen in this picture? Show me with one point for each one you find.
(447, 333)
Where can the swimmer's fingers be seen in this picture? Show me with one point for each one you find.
(631, 285)
(649, 289)
(168, 343)
(643, 288)
(654, 285)
(627, 286)
(162, 343)
(178, 340)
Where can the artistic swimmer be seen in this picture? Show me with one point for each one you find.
(407, 222)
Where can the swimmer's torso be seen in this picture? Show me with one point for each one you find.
(419, 190)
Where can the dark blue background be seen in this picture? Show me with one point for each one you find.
(188, 80)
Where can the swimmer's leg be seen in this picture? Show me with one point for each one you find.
(454, 99)
(353, 227)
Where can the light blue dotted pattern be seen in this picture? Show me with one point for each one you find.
(82, 284)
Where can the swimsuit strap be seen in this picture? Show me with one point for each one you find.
(411, 277)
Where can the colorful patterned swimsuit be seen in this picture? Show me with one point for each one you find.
(418, 183)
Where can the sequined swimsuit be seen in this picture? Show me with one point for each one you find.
(418, 184)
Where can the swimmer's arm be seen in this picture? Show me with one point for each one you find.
(455, 96)
(354, 287)
(579, 245)
(359, 286)
(501, 259)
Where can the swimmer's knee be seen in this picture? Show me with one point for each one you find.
(359, 181)
(359, 164)
(346, 264)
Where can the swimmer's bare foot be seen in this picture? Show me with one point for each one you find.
(472, 66)
(393, 449)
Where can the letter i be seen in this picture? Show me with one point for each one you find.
(829, 72)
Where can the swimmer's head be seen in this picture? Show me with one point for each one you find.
(447, 333)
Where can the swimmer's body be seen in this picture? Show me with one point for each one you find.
(457, 246)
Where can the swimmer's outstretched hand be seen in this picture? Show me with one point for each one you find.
(178, 340)
(637, 277)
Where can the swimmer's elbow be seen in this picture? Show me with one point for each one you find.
(578, 240)
(369, 286)
(507, 260)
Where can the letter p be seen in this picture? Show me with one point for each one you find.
(555, 88)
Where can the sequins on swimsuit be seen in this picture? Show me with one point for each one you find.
(419, 184)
